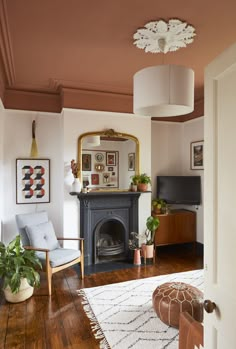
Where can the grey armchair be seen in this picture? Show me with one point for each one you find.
(37, 233)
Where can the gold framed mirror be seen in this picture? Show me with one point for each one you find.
(107, 159)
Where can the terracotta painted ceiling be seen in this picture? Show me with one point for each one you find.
(80, 54)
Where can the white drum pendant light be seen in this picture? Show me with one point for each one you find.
(164, 90)
(93, 141)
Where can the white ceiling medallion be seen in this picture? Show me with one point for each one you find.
(161, 36)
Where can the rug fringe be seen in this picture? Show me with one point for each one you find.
(96, 329)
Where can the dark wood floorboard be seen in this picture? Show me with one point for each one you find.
(59, 321)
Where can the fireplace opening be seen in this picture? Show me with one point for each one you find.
(110, 241)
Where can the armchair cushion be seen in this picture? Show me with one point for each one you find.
(29, 219)
(42, 235)
(59, 256)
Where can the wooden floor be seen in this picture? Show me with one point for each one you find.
(59, 321)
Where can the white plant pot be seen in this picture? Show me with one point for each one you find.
(25, 292)
(76, 186)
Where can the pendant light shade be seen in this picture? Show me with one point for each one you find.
(93, 141)
(165, 90)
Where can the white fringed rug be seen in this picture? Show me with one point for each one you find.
(122, 315)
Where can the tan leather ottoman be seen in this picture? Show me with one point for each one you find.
(172, 298)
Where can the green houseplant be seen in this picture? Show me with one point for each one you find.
(152, 223)
(142, 180)
(158, 205)
(17, 268)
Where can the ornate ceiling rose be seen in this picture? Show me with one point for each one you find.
(163, 37)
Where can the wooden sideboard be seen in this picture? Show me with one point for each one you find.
(176, 227)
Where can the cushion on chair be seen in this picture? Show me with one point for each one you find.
(22, 220)
(42, 235)
(59, 256)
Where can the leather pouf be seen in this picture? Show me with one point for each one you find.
(172, 298)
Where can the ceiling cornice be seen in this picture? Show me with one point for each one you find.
(82, 99)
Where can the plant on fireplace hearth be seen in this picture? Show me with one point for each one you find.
(152, 223)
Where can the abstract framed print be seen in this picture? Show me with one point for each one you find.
(32, 181)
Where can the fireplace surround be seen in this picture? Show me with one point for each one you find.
(106, 221)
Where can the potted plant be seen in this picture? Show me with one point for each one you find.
(142, 180)
(134, 182)
(152, 224)
(158, 205)
(17, 268)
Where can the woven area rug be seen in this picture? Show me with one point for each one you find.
(122, 315)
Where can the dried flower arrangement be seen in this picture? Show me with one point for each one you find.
(74, 168)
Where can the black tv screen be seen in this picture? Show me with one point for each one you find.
(179, 189)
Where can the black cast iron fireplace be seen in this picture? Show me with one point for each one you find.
(106, 221)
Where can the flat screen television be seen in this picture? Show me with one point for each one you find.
(185, 190)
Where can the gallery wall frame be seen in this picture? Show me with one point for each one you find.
(86, 162)
(111, 158)
(131, 162)
(197, 155)
(32, 181)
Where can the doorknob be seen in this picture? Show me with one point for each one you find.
(209, 306)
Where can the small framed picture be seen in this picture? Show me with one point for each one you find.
(32, 181)
(111, 159)
(95, 178)
(106, 178)
(86, 162)
(110, 168)
(131, 161)
(197, 155)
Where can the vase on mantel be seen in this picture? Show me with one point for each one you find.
(76, 186)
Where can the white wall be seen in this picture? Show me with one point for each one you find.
(171, 155)
(1, 165)
(17, 144)
(77, 122)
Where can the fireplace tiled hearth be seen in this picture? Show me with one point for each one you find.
(106, 221)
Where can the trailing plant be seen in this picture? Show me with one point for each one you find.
(158, 203)
(152, 223)
(17, 263)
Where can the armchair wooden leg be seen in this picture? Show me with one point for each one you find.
(82, 267)
(82, 259)
(49, 274)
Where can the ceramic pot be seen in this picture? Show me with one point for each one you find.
(147, 251)
(76, 186)
(142, 187)
(133, 187)
(25, 292)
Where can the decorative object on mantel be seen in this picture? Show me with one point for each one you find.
(34, 147)
(76, 185)
(156, 89)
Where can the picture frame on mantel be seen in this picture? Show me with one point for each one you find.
(197, 155)
(32, 181)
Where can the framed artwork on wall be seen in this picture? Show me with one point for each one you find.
(32, 181)
(131, 161)
(86, 162)
(197, 155)
(111, 158)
